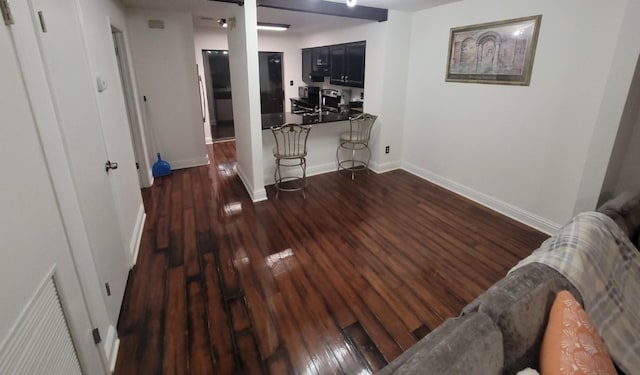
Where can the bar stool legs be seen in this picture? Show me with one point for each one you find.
(357, 139)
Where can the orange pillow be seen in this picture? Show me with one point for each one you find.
(571, 345)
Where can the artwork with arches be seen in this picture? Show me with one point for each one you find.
(498, 52)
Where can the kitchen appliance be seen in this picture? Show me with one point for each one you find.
(330, 99)
(310, 93)
(308, 101)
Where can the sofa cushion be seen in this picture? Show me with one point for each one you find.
(471, 344)
(519, 304)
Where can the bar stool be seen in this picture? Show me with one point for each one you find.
(356, 139)
(290, 151)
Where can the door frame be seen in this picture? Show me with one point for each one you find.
(138, 133)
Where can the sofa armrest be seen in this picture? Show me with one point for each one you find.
(471, 344)
(519, 304)
(624, 209)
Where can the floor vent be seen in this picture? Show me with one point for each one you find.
(40, 343)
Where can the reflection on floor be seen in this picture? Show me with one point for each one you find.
(339, 283)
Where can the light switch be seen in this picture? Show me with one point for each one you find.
(102, 84)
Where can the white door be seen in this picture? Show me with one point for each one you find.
(73, 91)
(33, 244)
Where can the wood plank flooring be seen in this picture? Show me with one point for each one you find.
(339, 283)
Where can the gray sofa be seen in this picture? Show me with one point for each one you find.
(501, 330)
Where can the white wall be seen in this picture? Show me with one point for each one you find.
(96, 19)
(520, 150)
(165, 68)
(288, 44)
(245, 83)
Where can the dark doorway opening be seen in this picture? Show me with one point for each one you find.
(271, 89)
(219, 100)
(218, 84)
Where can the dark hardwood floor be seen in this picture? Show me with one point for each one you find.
(341, 282)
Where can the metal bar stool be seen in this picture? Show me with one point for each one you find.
(356, 139)
(290, 151)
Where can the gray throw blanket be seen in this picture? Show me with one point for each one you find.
(595, 255)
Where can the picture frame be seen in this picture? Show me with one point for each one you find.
(499, 52)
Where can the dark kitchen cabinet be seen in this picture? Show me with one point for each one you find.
(346, 62)
(320, 61)
(307, 60)
(315, 64)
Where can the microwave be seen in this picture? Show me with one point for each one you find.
(309, 92)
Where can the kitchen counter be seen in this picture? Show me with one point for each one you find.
(277, 119)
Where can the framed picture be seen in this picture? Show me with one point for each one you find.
(497, 52)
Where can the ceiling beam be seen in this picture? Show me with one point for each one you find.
(327, 8)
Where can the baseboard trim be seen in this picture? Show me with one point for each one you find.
(322, 169)
(385, 167)
(111, 347)
(502, 207)
(134, 244)
(257, 195)
(189, 163)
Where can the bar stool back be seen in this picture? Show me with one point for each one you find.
(290, 151)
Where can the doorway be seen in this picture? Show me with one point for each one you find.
(142, 165)
(218, 88)
(271, 87)
(219, 99)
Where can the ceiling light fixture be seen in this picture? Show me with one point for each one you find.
(223, 22)
(351, 3)
(273, 26)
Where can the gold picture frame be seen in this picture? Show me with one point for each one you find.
(496, 52)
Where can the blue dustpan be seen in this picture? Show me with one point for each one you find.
(161, 168)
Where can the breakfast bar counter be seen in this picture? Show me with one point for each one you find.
(277, 119)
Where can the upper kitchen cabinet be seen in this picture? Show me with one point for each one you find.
(320, 63)
(346, 63)
(307, 59)
(315, 64)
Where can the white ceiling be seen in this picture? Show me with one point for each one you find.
(206, 12)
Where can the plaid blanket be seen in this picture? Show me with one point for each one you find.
(595, 255)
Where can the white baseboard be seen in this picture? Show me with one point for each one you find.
(148, 177)
(134, 244)
(322, 169)
(111, 347)
(384, 167)
(257, 195)
(504, 208)
(188, 163)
